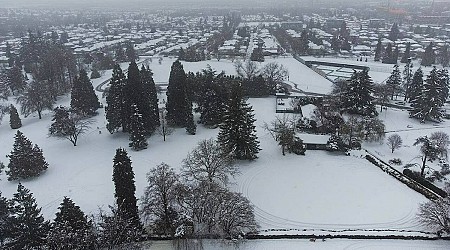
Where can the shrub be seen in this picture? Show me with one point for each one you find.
(395, 161)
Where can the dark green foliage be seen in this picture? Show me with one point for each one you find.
(137, 130)
(378, 50)
(427, 105)
(178, 102)
(358, 95)
(83, 98)
(257, 54)
(148, 101)
(68, 125)
(237, 134)
(123, 178)
(430, 151)
(388, 54)
(429, 56)
(210, 94)
(394, 82)
(407, 55)
(407, 78)
(37, 97)
(130, 52)
(25, 161)
(297, 146)
(26, 228)
(256, 86)
(116, 101)
(4, 215)
(119, 54)
(335, 143)
(191, 128)
(394, 33)
(95, 73)
(16, 80)
(415, 89)
(444, 56)
(14, 119)
(71, 229)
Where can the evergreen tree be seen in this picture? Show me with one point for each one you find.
(177, 96)
(443, 82)
(444, 57)
(394, 81)
(25, 161)
(148, 101)
(358, 95)
(388, 54)
(407, 78)
(120, 54)
(133, 95)
(4, 215)
(429, 56)
(427, 106)
(16, 80)
(378, 50)
(191, 128)
(237, 134)
(123, 178)
(406, 56)
(394, 33)
(95, 73)
(415, 89)
(26, 227)
(14, 119)
(395, 55)
(130, 52)
(137, 130)
(83, 98)
(71, 229)
(115, 101)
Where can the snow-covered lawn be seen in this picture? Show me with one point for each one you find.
(335, 244)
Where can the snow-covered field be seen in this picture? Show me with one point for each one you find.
(316, 191)
(334, 244)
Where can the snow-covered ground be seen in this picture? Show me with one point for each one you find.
(315, 191)
(335, 244)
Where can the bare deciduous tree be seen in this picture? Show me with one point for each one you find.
(158, 201)
(275, 74)
(282, 129)
(435, 214)
(248, 70)
(164, 129)
(394, 142)
(207, 162)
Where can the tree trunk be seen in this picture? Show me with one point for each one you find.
(424, 160)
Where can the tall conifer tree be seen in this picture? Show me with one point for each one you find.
(137, 130)
(116, 101)
(71, 228)
(83, 98)
(123, 178)
(427, 105)
(237, 133)
(177, 96)
(149, 101)
(25, 161)
(14, 119)
(27, 228)
(358, 95)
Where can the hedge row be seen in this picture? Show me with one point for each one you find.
(424, 182)
(427, 192)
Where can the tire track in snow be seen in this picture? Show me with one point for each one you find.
(274, 222)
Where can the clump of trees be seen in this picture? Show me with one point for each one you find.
(68, 125)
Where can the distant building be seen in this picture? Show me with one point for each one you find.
(376, 23)
(292, 25)
(334, 23)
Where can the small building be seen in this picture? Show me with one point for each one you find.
(314, 142)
